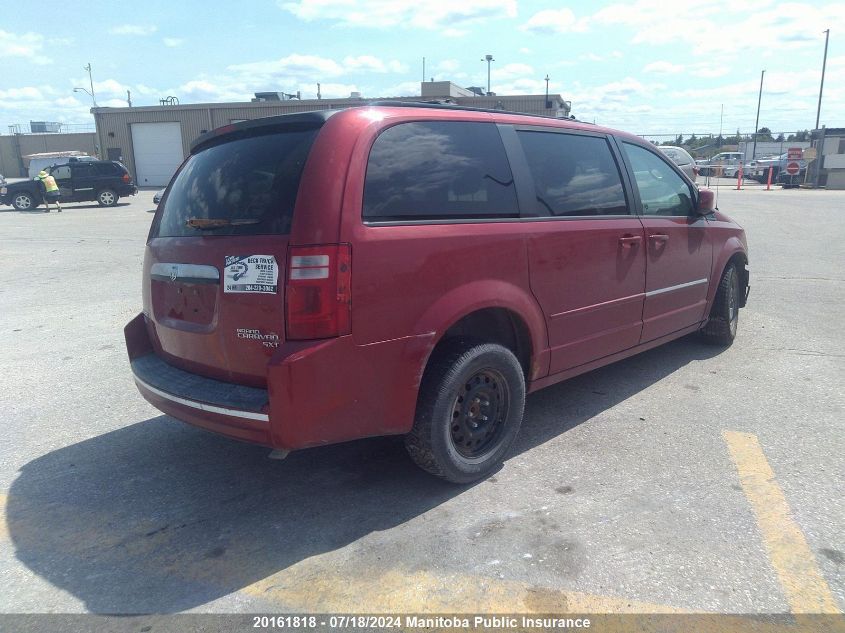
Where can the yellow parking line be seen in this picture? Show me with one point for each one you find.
(789, 553)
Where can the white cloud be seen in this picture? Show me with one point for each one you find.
(663, 68)
(133, 29)
(368, 63)
(21, 94)
(23, 45)
(554, 21)
(593, 57)
(724, 30)
(172, 42)
(434, 14)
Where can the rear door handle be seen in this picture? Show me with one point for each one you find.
(630, 240)
(659, 237)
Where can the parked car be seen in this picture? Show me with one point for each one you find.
(760, 169)
(682, 159)
(158, 196)
(723, 164)
(416, 269)
(79, 181)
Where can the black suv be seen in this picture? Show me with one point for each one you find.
(105, 181)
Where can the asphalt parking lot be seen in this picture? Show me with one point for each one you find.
(687, 478)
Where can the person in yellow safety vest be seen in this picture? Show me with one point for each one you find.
(51, 190)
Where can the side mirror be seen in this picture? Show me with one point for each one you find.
(706, 202)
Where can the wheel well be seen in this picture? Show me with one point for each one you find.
(493, 325)
(740, 260)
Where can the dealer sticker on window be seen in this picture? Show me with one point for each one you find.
(251, 273)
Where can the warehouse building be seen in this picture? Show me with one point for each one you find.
(153, 141)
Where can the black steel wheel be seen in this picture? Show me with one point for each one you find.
(469, 410)
(478, 413)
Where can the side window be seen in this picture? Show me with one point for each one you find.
(574, 175)
(83, 170)
(105, 169)
(439, 170)
(62, 172)
(662, 190)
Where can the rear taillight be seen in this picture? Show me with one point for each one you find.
(318, 295)
(126, 178)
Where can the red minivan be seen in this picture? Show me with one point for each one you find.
(417, 269)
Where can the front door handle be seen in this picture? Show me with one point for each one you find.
(659, 237)
(628, 241)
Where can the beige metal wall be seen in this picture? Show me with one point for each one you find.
(114, 124)
(14, 147)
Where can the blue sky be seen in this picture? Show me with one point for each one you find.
(647, 66)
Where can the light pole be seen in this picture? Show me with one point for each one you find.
(548, 105)
(757, 122)
(91, 82)
(821, 87)
(85, 90)
(488, 59)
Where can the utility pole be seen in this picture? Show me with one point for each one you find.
(129, 98)
(757, 122)
(91, 82)
(423, 69)
(548, 105)
(821, 87)
(488, 59)
(319, 96)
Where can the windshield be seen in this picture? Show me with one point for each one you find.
(245, 186)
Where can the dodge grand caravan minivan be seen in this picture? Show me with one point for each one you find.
(417, 269)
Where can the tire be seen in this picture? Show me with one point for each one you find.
(24, 202)
(469, 411)
(721, 326)
(107, 198)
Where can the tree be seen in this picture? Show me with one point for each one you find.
(780, 138)
(764, 134)
(679, 140)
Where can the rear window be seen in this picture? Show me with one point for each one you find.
(439, 170)
(245, 186)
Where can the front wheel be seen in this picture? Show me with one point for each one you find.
(721, 327)
(469, 411)
(107, 198)
(24, 202)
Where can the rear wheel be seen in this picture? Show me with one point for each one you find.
(469, 411)
(24, 202)
(724, 316)
(107, 198)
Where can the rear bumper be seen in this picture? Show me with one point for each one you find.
(318, 392)
(234, 410)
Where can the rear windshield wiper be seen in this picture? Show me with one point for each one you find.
(218, 223)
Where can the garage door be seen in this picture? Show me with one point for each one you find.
(158, 152)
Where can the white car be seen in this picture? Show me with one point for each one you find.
(682, 159)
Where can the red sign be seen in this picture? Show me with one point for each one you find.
(794, 153)
(792, 168)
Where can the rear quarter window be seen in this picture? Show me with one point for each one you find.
(439, 170)
(243, 186)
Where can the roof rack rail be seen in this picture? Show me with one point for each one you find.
(448, 105)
